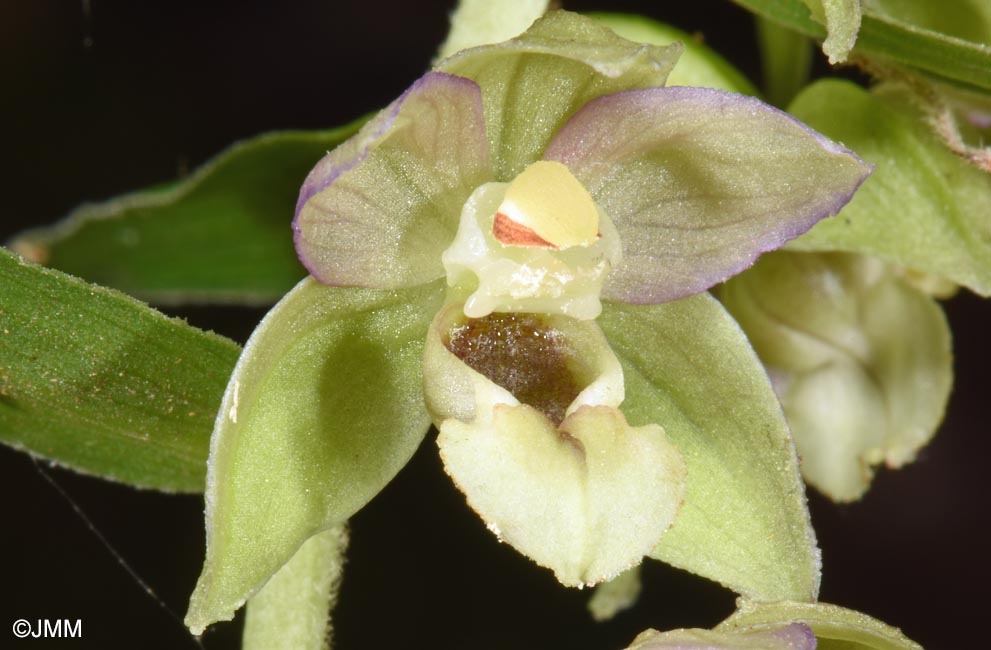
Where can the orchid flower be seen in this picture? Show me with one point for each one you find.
(476, 229)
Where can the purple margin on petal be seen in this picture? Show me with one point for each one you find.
(709, 99)
(779, 636)
(828, 209)
(329, 169)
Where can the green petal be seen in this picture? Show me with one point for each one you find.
(699, 182)
(744, 521)
(923, 208)
(292, 610)
(861, 361)
(588, 497)
(532, 84)
(219, 236)
(379, 210)
(96, 381)
(834, 627)
(699, 65)
(482, 22)
(324, 408)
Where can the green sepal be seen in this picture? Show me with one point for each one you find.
(744, 521)
(786, 636)
(532, 84)
(324, 407)
(219, 236)
(860, 360)
(924, 208)
(836, 628)
(101, 383)
(698, 65)
(292, 610)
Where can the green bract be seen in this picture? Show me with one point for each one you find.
(912, 42)
(969, 20)
(560, 433)
(842, 21)
(860, 360)
(925, 208)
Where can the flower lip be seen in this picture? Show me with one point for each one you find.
(576, 364)
(495, 345)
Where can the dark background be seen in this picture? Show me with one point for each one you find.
(129, 94)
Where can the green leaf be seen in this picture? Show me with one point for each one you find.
(96, 381)
(842, 21)
(860, 360)
(532, 84)
(483, 22)
(923, 207)
(835, 627)
(969, 20)
(919, 50)
(744, 522)
(220, 236)
(699, 65)
(292, 611)
(324, 407)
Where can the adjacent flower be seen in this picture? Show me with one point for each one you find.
(536, 178)
(860, 360)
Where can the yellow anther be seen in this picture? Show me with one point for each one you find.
(546, 206)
